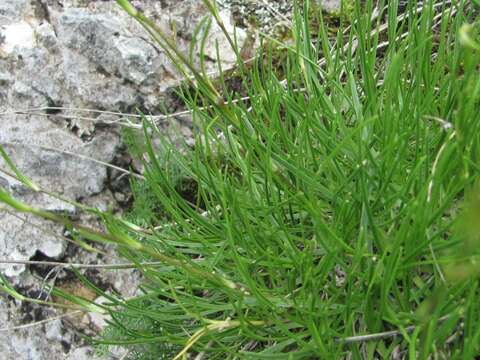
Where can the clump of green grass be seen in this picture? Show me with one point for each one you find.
(326, 217)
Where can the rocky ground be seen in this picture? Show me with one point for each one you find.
(265, 15)
(58, 57)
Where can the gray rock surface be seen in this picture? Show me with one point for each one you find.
(268, 15)
(67, 55)
(31, 343)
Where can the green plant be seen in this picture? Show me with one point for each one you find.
(325, 221)
(145, 209)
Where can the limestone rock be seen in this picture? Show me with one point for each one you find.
(59, 60)
(269, 14)
(30, 343)
(332, 6)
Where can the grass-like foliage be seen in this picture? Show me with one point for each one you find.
(333, 214)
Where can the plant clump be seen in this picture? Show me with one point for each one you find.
(333, 209)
